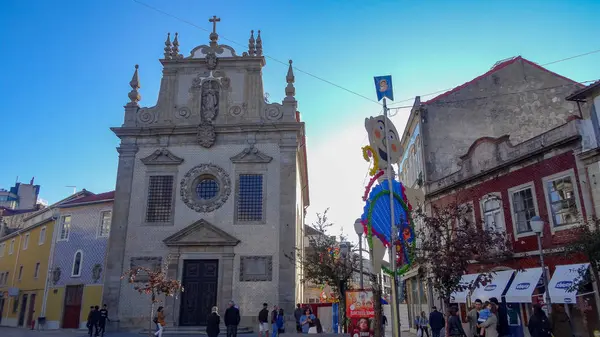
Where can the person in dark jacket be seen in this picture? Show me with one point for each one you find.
(213, 323)
(103, 319)
(539, 324)
(297, 314)
(274, 315)
(263, 321)
(232, 319)
(89, 324)
(454, 324)
(502, 327)
(436, 322)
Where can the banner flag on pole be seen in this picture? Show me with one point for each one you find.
(383, 86)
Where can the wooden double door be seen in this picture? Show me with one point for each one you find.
(73, 297)
(200, 282)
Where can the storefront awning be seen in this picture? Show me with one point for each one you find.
(562, 280)
(461, 296)
(523, 285)
(494, 288)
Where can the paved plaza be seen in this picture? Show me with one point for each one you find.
(18, 332)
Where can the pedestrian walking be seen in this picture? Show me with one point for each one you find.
(455, 328)
(213, 323)
(103, 319)
(89, 324)
(297, 314)
(274, 315)
(421, 323)
(560, 322)
(232, 319)
(539, 324)
(280, 322)
(473, 317)
(384, 323)
(436, 322)
(263, 321)
(160, 321)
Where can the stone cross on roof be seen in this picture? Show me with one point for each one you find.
(214, 36)
(214, 21)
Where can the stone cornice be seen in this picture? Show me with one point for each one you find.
(251, 155)
(162, 157)
(168, 130)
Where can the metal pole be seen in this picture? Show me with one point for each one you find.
(544, 274)
(360, 248)
(394, 305)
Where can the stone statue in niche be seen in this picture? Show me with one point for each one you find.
(210, 99)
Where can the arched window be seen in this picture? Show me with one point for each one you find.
(77, 261)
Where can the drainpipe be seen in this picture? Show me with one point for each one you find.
(13, 277)
(593, 209)
(55, 217)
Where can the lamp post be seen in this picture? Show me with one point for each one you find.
(537, 225)
(358, 228)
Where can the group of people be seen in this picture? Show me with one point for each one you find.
(436, 321)
(96, 322)
(490, 319)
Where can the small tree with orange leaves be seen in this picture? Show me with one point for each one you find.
(153, 282)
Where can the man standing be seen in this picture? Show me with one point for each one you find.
(103, 318)
(384, 323)
(263, 321)
(472, 318)
(436, 322)
(232, 319)
(297, 314)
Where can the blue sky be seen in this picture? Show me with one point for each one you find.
(67, 65)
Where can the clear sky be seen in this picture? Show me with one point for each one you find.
(67, 64)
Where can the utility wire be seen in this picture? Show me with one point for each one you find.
(327, 81)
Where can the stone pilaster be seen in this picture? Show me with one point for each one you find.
(118, 232)
(287, 224)
(226, 290)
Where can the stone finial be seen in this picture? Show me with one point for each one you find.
(168, 49)
(251, 49)
(175, 50)
(134, 95)
(290, 90)
(258, 44)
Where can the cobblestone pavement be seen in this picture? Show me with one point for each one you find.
(19, 332)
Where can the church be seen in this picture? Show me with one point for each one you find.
(212, 184)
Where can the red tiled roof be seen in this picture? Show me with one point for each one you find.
(497, 67)
(92, 198)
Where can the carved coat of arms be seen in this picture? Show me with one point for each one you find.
(206, 134)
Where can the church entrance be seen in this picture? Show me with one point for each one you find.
(200, 279)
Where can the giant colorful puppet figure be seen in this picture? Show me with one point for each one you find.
(376, 217)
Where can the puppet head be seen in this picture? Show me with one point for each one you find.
(379, 136)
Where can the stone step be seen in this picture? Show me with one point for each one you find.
(197, 330)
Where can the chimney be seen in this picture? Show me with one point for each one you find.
(31, 182)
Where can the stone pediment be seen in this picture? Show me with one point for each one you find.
(251, 155)
(162, 157)
(201, 233)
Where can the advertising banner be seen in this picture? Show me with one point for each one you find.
(360, 311)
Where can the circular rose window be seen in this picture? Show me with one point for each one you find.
(207, 188)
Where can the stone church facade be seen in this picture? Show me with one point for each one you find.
(212, 185)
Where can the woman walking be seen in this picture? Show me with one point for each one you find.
(455, 328)
(160, 322)
(422, 323)
(490, 325)
(213, 323)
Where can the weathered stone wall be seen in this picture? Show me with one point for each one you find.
(488, 107)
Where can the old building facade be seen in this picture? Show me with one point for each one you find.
(212, 185)
(513, 155)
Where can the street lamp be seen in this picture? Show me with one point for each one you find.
(359, 229)
(537, 225)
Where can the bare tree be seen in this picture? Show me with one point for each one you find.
(327, 260)
(449, 240)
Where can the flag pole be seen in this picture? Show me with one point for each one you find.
(390, 177)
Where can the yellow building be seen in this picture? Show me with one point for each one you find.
(24, 256)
